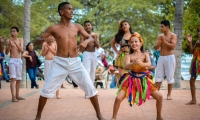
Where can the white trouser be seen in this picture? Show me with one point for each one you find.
(15, 68)
(90, 63)
(61, 67)
(165, 67)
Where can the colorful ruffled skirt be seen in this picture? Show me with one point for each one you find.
(137, 88)
(194, 67)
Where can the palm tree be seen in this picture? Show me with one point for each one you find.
(178, 50)
(27, 10)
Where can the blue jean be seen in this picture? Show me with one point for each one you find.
(113, 83)
(32, 72)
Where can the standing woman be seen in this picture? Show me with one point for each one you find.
(31, 64)
(195, 65)
(122, 38)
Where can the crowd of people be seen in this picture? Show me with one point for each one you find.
(140, 74)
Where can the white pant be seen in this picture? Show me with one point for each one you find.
(47, 66)
(61, 67)
(165, 67)
(90, 63)
(15, 68)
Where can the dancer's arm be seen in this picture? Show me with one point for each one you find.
(8, 46)
(113, 46)
(172, 43)
(88, 39)
(20, 46)
(44, 49)
(96, 40)
(44, 37)
(158, 43)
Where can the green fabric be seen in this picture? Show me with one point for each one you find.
(137, 94)
(145, 89)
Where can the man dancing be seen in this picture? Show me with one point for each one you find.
(67, 60)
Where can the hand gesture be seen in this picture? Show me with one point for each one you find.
(82, 46)
(30, 58)
(161, 37)
(138, 61)
(189, 38)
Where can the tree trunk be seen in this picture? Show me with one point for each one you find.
(178, 50)
(27, 4)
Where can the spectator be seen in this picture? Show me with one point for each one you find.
(31, 64)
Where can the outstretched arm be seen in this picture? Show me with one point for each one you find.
(44, 36)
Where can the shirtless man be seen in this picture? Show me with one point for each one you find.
(166, 62)
(49, 51)
(14, 46)
(89, 56)
(67, 61)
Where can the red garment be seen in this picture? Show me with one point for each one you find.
(104, 61)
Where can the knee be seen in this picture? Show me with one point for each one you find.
(118, 100)
(160, 97)
(192, 81)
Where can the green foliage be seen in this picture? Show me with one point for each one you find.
(144, 17)
(191, 21)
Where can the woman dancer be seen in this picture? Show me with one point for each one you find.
(195, 67)
(121, 38)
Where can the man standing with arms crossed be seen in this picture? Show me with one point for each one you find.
(49, 51)
(67, 61)
(166, 62)
(14, 46)
(89, 56)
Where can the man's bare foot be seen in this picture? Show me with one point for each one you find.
(159, 118)
(20, 98)
(101, 118)
(192, 102)
(15, 100)
(58, 97)
(113, 119)
(37, 118)
(169, 98)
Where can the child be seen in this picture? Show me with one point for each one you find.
(137, 84)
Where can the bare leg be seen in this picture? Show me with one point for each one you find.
(95, 103)
(57, 94)
(159, 98)
(169, 97)
(158, 85)
(193, 91)
(12, 88)
(120, 97)
(41, 104)
(17, 90)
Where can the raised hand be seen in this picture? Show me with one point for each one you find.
(189, 38)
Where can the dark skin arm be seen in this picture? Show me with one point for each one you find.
(113, 46)
(88, 39)
(171, 44)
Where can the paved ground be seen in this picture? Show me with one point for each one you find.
(73, 105)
